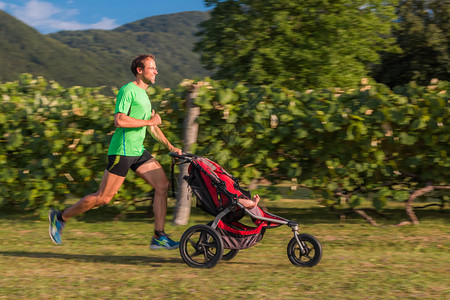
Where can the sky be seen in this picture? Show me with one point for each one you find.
(49, 16)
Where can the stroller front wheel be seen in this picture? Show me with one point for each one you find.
(311, 254)
(201, 247)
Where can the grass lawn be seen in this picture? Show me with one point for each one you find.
(106, 259)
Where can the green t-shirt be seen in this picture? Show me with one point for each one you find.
(133, 101)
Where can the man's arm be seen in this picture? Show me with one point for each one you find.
(124, 121)
(160, 137)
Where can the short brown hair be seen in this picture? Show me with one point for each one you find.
(138, 62)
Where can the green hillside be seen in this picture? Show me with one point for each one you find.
(102, 57)
(23, 49)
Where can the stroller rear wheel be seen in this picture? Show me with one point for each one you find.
(201, 247)
(312, 251)
(231, 252)
(226, 255)
(230, 255)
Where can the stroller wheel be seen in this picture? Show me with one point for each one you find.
(230, 255)
(231, 252)
(201, 247)
(312, 251)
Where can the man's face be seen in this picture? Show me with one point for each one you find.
(149, 71)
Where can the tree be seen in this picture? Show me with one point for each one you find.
(296, 44)
(423, 36)
(190, 133)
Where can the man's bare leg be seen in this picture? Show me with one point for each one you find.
(153, 174)
(108, 189)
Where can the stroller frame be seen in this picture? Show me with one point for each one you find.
(202, 246)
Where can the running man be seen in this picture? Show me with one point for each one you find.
(133, 114)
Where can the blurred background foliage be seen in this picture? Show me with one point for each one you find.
(296, 44)
(366, 143)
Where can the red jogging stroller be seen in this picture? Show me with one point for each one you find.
(217, 193)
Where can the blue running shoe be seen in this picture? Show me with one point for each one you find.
(163, 242)
(55, 227)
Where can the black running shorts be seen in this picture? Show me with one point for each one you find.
(119, 164)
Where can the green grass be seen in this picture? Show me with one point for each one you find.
(106, 259)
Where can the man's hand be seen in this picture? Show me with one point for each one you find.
(176, 150)
(158, 135)
(155, 120)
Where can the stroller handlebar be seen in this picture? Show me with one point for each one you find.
(186, 156)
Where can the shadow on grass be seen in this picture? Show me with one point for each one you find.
(112, 259)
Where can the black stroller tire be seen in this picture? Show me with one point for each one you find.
(230, 255)
(201, 247)
(231, 252)
(313, 251)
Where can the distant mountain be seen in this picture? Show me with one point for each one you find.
(102, 57)
(23, 49)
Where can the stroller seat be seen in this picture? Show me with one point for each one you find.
(216, 190)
